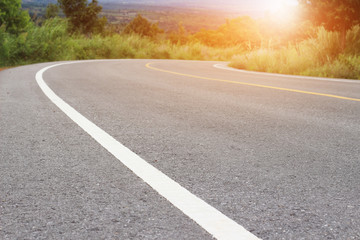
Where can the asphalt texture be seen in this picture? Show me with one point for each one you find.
(283, 165)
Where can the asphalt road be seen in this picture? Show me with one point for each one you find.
(278, 155)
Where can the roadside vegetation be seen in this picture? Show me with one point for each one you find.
(302, 45)
(331, 49)
(320, 55)
(52, 42)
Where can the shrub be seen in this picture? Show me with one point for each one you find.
(317, 56)
(48, 42)
(143, 27)
(52, 42)
(38, 44)
(353, 41)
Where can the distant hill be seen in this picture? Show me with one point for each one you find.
(234, 5)
(42, 2)
(212, 4)
(193, 14)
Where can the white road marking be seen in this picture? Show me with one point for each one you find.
(213, 221)
(225, 67)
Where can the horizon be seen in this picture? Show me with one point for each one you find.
(255, 8)
(244, 5)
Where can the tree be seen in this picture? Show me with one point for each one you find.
(334, 15)
(143, 27)
(239, 31)
(83, 16)
(11, 15)
(52, 10)
(181, 36)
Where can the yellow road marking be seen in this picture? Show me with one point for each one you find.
(148, 65)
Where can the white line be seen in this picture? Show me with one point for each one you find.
(224, 67)
(213, 221)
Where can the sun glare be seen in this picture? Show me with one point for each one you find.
(276, 6)
(282, 11)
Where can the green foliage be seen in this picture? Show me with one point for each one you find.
(48, 42)
(83, 16)
(353, 41)
(321, 54)
(180, 36)
(11, 15)
(318, 56)
(239, 31)
(142, 27)
(334, 15)
(45, 43)
(5, 51)
(52, 10)
(135, 46)
(345, 66)
(52, 42)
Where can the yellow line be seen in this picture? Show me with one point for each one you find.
(253, 84)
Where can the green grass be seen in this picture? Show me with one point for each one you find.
(51, 42)
(321, 55)
(135, 46)
(38, 44)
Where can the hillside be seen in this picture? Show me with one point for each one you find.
(244, 7)
(40, 2)
(168, 14)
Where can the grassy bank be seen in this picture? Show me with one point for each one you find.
(51, 42)
(320, 55)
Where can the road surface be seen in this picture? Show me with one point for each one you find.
(278, 155)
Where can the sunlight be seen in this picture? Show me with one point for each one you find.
(282, 11)
(277, 6)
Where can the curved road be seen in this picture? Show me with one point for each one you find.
(278, 155)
